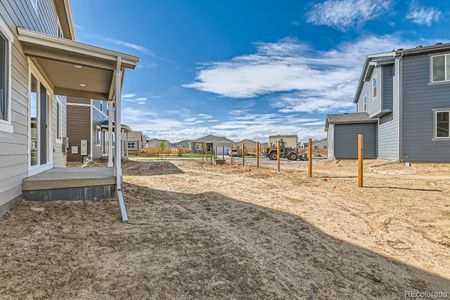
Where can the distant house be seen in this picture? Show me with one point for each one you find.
(209, 143)
(250, 144)
(184, 144)
(291, 141)
(135, 141)
(320, 144)
(156, 143)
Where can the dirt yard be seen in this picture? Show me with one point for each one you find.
(199, 231)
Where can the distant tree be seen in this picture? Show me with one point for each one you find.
(162, 146)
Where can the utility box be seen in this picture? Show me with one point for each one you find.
(84, 148)
(74, 150)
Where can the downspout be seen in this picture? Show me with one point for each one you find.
(118, 131)
(400, 107)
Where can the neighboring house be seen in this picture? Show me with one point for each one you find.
(135, 141)
(249, 144)
(42, 64)
(291, 141)
(85, 118)
(320, 144)
(184, 144)
(209, 143)
(156, 143)
(403, 107)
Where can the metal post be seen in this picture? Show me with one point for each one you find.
(278, 156)
(310, 154)
(257, 154)
(110, 135)
(126, 146)
(231, 158)
(243, 154)
(360, 159)
(118, 159)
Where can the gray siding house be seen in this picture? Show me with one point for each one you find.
(41, 64)
(402, 108)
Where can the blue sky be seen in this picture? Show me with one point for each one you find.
(249, 68)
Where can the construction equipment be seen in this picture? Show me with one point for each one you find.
(285, 152)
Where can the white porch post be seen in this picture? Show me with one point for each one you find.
(126, 145)
(110, 136)
(118, 160)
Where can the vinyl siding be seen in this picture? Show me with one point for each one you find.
(14, 146)
(374, 103)
(388, 126)
(387, 86)
(78, 128)
(419, 99)
(346, 140)
(364, 91)
(98, 117)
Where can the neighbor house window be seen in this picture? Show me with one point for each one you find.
(365, 102)
(131, 146)
(58, 121)
(6, 38)
(441, 124)
(440, 68)
(374, 87)
(98, 136)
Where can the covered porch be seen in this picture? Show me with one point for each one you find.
(75, 69)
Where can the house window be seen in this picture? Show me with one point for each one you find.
(440, 68)
(441, 123)
(6, 38)
(365, 102)
(58, 121)
(131, 146)
(98, 136)
(374, 87)
(198, 147)
(101, 105)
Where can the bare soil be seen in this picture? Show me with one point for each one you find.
(199, 231)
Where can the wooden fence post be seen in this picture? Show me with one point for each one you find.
(243, 154)
(310, 154)
(360, 159)
(223, 152)
(278, 156)
(257, 154)
(215, 154)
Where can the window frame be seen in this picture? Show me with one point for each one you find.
(135, 147)
(58, 121)
(446, 74)
(98, 136)
(435, 112)
(5, 125)
(365, 103)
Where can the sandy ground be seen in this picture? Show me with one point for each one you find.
(199, 231)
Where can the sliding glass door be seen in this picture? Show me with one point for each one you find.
(40, 116)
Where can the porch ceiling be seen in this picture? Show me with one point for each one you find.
(72, 68)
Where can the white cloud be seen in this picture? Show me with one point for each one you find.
(344, 14)
(423, 15)
(251, 125)
(310, 80)
(128, 95)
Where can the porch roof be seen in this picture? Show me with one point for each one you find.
(73, 68)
